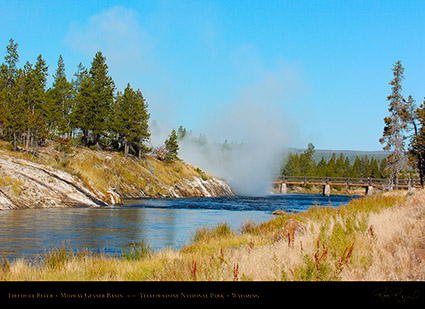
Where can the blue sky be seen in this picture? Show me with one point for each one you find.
(291, 71)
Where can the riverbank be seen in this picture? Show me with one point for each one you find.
(377, 237)
(87, 177)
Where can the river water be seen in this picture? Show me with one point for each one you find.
(159, 222)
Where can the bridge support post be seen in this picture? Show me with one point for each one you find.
(327, 190)
(369, 190)
(283, 188)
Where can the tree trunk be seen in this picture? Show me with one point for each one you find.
(125, 148)
(15, 141)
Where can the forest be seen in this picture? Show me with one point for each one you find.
(87, 110)
(304, 164)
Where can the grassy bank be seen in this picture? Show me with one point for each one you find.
(108, 175)
(380, 237)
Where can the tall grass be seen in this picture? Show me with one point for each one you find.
(137, 251)
(372, 238)
(206, 233)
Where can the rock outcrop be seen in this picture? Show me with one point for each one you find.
(25, 183)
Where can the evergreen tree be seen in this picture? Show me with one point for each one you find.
(103, 88)
(321, 168)
(292, 166)
(172, 147)
(374, 167)
(356, 168)
(307, 164)
(416, 152)
(181, 132)
(93, 101)
(395, 125)
(383, 168)
(347, 167)
(81, 114)
(11, 110)
(38, 111)
(331, 166)
(10, 69)
(417, 145)
(77, 117)
(365, 167)
(130, 120)
(340, 166)
(61, 100)
(79, 76)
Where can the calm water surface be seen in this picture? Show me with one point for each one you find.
(159, 222)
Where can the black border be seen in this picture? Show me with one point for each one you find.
(146, 292)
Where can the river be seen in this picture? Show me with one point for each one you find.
(159, 222)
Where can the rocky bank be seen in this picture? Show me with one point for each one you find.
(96, 178)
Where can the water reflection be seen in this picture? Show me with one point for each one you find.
(162, 223)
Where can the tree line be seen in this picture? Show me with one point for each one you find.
(304, 164)
(87, 110)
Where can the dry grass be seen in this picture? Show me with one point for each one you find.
(106, 171)
(381, 237)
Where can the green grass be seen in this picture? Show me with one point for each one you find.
(137, 251)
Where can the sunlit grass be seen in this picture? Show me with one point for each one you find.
(371, 238)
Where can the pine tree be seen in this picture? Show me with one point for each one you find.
(129, 120)
(181, 132)
(61, 99)
(383, 168)
(102, 97)
(11, 109)
(417, 145)
(395, 125)
(340, 166)
(356, 168)
(347, 167)
(93, 101)
(292, 165)
(321, 168)
(81, 115)
(307, 162)
(38, 110)
(79, 76)
(172, 147)
(78, 106)
(375, 172)
(331, 167)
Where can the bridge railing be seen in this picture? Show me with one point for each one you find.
(348, 181)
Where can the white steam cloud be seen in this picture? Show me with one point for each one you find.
(247, 139)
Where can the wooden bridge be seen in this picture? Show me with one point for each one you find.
(368, 183)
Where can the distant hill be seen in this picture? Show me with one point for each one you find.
(351, 154)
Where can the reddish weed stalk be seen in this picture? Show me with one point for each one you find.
(251, 246)
(317, 256)
(194, 269)
(343, 261)
(235, 272)
(372, 232)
